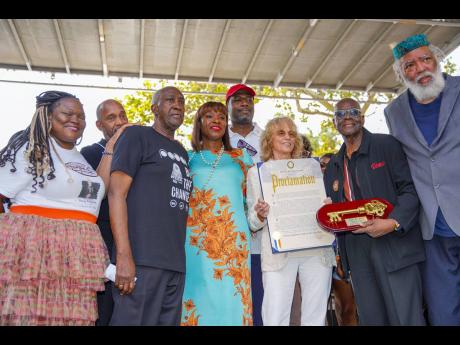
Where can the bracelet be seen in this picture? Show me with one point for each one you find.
(107, 153)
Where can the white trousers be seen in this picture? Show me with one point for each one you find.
(315, 282)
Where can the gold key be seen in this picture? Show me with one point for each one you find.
(373, 207)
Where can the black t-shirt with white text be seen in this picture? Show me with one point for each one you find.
(158, 197)
(93, 155)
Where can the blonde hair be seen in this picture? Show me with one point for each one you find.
(266, 139)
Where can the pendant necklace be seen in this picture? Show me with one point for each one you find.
(69, 179)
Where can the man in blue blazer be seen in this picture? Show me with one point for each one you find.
(426, 120)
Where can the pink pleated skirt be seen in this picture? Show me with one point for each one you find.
(50, 270)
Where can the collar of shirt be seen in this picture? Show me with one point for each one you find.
(102, 143)
(257, 131)
(363, 148)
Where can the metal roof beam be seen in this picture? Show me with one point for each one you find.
(388, 67)
(219, 50)
(105, 70)
(193, 78)
(295, 52)
(20, 44)
(415, 22)
(141, 49)
(154, 90)
(256, 53)
(383, 72)
(355, 64)
(181, 49)
(61, 45)
(331, 52)
(452, 45)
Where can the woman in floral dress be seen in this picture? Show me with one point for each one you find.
(218, 279)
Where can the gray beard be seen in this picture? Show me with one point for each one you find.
(432, 90)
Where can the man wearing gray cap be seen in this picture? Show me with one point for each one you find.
(426, 120)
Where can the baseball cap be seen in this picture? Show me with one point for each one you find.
(235, 88)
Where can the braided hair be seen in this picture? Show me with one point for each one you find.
(36, 135)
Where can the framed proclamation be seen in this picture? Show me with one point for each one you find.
(295, 191)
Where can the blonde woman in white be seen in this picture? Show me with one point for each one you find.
(281, 140)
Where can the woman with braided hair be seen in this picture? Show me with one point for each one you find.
(52, 255)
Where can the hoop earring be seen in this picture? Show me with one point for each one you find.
(81, 138)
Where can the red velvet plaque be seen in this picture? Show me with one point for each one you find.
(348, 216)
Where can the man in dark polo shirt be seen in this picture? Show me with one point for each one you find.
(111, 116)
(383, 256)
(149, 192)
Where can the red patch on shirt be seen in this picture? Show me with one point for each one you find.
(377, 165)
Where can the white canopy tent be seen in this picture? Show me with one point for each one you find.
(352, 54)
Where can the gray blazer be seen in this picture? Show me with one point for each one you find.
(435, 169)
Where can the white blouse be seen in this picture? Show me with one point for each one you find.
(76, 186)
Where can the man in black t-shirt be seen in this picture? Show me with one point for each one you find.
(149, 192)
(111, 116)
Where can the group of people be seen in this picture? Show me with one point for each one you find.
(187, 230)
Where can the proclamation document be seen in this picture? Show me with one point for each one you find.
(295, 191)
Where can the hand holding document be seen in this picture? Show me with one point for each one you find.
(295, 191)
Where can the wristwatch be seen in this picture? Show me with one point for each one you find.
(397, 226)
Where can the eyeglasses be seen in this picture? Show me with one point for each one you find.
(242, 144)
(353, 112)
(410, 66)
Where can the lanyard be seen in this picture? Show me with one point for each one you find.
(347, 187)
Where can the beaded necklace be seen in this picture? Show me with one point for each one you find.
(213, 165)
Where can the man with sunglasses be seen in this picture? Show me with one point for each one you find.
(244, 133)
(383, 255)
(426, 120)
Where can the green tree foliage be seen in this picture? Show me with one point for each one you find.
(322, 103)
(450, 67)
(138, 105)
(289, 102)
(328, 139)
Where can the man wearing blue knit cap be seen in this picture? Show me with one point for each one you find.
(426, 120)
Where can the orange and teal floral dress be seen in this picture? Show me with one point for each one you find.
(218, 277)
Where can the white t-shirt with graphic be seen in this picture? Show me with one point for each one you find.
(75, 187)
(251, 143)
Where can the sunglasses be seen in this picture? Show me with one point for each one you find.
(242, 144)
(353, 112)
